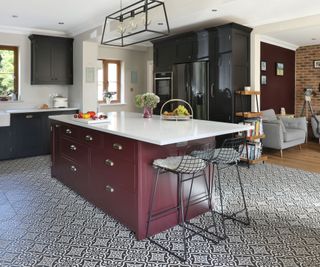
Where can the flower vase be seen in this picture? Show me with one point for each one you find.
(108, 100)
(147, 112)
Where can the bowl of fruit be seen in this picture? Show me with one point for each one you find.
(90, 117)
(181, 113)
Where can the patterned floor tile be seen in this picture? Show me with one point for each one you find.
(44, 223)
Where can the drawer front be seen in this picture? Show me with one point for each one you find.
(120, 147)
(74, 175)
(91, 138)
(108, 170)
(74, 150)
(70, 131)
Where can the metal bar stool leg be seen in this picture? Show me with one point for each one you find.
(243, 197)
(182, 219)
(221, 204)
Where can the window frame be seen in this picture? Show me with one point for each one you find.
(15, 50)
(105, 63)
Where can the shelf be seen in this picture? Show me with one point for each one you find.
(248, 92)
(263, 158)
(249, 114)
(255, 137)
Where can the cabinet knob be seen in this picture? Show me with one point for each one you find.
(109, 189)
(73, 168)
(68, 131)
(109, 163)
(89, 138)
(73, 148)
(117, 146)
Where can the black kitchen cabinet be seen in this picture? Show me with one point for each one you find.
(229, 70)
(185, 49)
(51, 60)
(164, 55)
(28, 135)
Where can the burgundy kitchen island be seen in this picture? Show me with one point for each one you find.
(110, 164)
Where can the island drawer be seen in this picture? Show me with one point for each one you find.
(74, 175)
(120, 147)
(68, 130)
(74, 150)
(91, 137)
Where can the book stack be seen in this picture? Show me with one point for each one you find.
(254, 150)
(257, 124)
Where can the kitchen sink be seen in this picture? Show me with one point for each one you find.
(4, 118)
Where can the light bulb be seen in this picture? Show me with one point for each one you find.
(143, 20)
(132, 25)
(121, 28)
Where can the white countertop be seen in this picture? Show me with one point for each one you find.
(155, 130)
(31, 110)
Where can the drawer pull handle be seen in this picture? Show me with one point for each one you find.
(57, 125)
(117, 146)
(73, 168)
(109, 189)
(29, 116)
(68, 131)
(73, 148)
(109, 163)
(89, 138)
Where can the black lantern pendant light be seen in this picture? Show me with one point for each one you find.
(142, 21)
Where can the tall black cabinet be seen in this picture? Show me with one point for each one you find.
(229, 70)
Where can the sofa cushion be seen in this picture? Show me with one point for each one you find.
(294, 134)
(280, 122)
(269, 115)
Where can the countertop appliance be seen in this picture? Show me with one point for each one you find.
(60, 102)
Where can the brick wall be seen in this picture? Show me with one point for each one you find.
(307, 75)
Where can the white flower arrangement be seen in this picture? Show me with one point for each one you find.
(148, 100)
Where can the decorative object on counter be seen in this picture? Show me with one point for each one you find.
(148, 102)
(282, 111)
(279, 69)
(44, 106)
(180, 113)
(247, 88)
(90, 117)
(134, 24)
(108, 96)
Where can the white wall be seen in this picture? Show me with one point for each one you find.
(31, 95)
(132, 60)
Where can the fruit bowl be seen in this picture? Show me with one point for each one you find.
(181, 113)
(90, 117)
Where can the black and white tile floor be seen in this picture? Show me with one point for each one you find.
(43, 223)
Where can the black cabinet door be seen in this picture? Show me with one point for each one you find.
(221, 104)
(62, 68)
(51, 60)
(164, 55)
(225, 39)
(27, 134)
(6, 148)
(201, 45)
(185, 49)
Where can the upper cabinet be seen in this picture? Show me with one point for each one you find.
(51, 60)
(181, 48)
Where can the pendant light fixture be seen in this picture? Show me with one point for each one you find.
(139, 22)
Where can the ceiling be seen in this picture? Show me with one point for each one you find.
(79, 16)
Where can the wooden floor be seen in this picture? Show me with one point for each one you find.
(308, 158)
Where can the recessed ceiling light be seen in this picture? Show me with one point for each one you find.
(61, 23)
(313, 39)
(15, 16)
(214, 10)
(160, 23)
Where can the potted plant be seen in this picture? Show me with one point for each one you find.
(107, 96)
(147, 101)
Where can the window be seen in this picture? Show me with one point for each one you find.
(109, 80)
(8, 70)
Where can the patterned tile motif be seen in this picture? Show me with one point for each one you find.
(44, 223)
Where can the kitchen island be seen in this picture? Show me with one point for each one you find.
(110, 164)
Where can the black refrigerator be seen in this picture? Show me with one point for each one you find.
(191, 83)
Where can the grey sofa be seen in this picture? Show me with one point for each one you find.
(284, 132)
(316, 126)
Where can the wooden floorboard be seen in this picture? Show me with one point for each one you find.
(308, 158)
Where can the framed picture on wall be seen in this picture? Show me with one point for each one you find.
(263, 65)
(263, 79)
(316, 64)
(279, 69)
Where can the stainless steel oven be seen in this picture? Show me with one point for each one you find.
(163, 87)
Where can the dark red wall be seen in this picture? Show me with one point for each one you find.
(279, 90)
